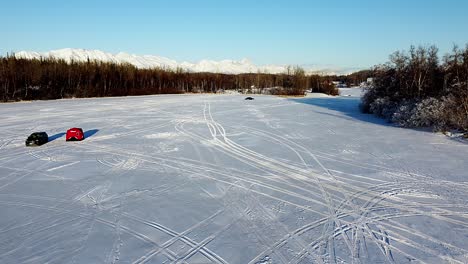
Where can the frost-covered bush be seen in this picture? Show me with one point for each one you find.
(367, 99)
(455, 111)
(429, 112)
(426, 113)
(403, 113)
(383, 107)
(329, 89)
(376, 107)
(415, 90)
(439, 113)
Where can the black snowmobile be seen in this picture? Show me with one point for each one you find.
(37, 139)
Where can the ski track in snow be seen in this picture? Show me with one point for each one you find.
(216, 179)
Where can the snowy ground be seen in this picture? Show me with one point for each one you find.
(353, 91)
(216, 179)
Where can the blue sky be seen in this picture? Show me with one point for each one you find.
(358, 33)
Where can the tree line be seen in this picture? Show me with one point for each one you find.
(355, 78)
(417, 89)
(50, 78)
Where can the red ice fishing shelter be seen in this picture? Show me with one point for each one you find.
(75, 134)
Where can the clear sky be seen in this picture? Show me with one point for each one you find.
(358, 33)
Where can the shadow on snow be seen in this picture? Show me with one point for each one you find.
(349, 106)
(90, 133)
(56, 136)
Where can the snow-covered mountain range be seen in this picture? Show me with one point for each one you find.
(152, 61)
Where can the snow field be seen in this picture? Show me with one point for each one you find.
(216, 179)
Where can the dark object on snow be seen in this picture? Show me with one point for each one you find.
(37, 139)
(75, 134)
(249, 98)
(465, 135)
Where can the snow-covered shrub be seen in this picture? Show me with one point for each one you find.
(429, 112)
(414, 90)
(403, 113)
(329, 89)
(383, 107)
(425, 113)
(388, 110)
(455, 109)
(367, 99)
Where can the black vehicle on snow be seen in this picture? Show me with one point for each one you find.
(249, 98)
(37, 139)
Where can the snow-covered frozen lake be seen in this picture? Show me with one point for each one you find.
(216, 179)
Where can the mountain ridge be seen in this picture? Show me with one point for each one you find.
(153, 61)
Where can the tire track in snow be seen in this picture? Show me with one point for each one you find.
(389, 253)
(332, 213)
(336, 158)
(125, 229)
(329, 202)
(18, 178)
(175, 236)
(384, 244)
(197, 169)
